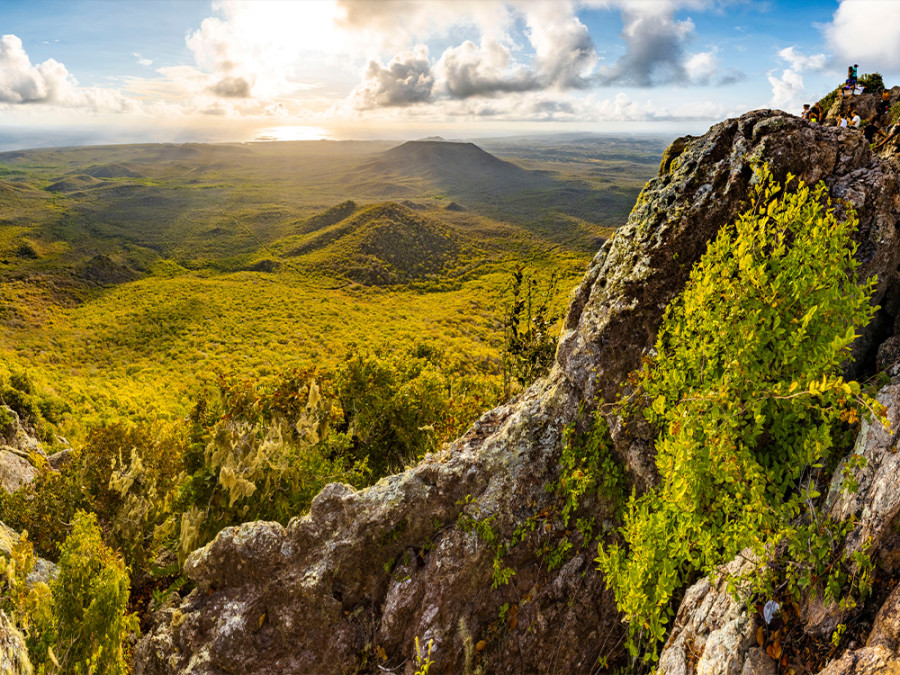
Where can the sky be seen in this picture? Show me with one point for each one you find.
(128, 71)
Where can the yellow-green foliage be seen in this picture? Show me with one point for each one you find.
(745, 392)
(90, 594)
(27, 605)
(79, 625)
(259, 454)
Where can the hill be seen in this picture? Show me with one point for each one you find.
(383, 244)
(454, 166)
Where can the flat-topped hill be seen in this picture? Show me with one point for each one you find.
(462, 166)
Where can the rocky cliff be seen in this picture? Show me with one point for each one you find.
(351, 585)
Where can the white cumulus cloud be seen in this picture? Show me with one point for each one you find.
(866, 32)
(49, 82)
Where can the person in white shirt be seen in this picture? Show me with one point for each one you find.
(842, 122)
(854, 119)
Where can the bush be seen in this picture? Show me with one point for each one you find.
(90, 594)
(79, 625)
(259, 454)
(873, 82)
(528, 325)
(745, 392)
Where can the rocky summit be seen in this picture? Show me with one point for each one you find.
(351, 586)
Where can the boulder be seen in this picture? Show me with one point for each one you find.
(60, 459)
(15, 470)
(18, 436)
(350, 585)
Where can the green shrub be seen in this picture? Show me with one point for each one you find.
(745, 392)
(873, 82)
(79, 624)
(90, 595)
(528, 325)
(45, 507)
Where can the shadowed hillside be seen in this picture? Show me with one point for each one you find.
(561, 208)
(382, 245)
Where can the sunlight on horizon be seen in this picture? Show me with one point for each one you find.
(293, 133)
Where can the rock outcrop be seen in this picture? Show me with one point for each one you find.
(865, 104)
(43, 570)
(17, 447)
(350, 586)
(13, 652)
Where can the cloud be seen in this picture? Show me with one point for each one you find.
(231, 87)
(563, 57)
(49, 83)
(788, 89)
(800, 62)
(406, 80)
(469, 70)
(141, 60)
(655, 45)
(564, 51)
(866, 32)
(21, 82)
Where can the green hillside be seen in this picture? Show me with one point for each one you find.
(131, 275)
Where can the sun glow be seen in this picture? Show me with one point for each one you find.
(292, 133)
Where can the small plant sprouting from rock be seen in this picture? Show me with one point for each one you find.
(423, 660)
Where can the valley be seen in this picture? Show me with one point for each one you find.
(133, 275)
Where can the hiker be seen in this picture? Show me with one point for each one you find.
(883, 107)
(848, 88)
(805, 114)
(870, 131)
(815, 113)
(842, 121)
(854, 118)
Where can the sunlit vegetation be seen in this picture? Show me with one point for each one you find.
(752, 413)
(220, 331)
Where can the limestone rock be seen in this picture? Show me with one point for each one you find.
(352, 584)
(876, 501)
(43, 570)
(713, 634)
(18, 436)
(15, 471)
(13, 652)
(866, 661)
(616, 310)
